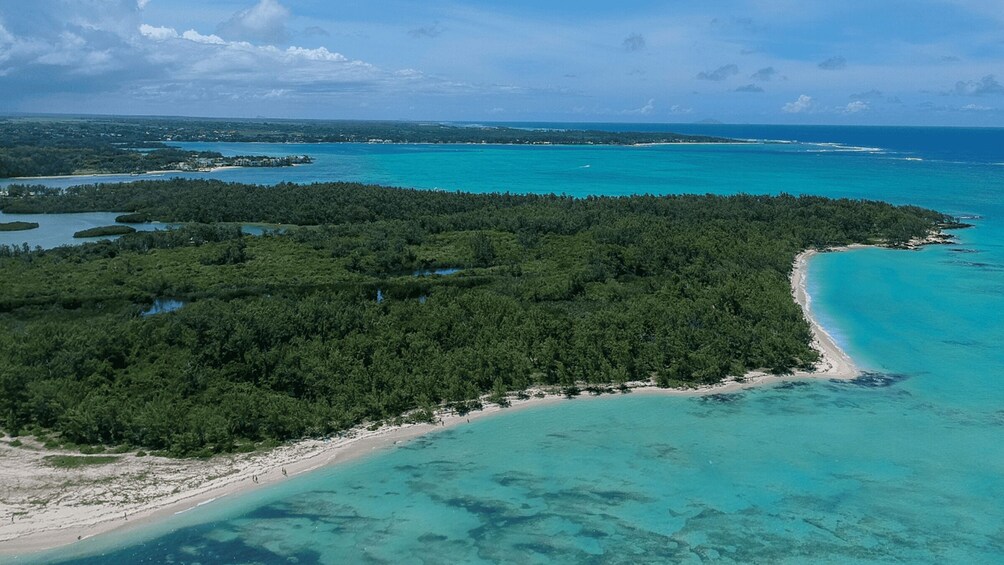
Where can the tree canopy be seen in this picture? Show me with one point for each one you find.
(283, 335)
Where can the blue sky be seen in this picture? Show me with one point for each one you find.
(739, 61)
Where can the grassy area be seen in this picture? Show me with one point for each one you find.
(77, 461)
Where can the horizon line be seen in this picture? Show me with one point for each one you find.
(703, 122)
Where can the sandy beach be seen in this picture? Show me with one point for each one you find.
(139, 176)
(43, 507)
(99, 176)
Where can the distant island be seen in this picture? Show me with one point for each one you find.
(33, 147)
(17, 226)
(331, 324)
(104, 231)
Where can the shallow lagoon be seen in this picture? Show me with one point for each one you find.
(905, 465)
(55, 230)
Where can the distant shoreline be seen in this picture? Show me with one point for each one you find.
(139, 176)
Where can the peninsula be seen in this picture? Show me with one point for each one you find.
(326, 330)
(51, 146)
(35, 147)
(302, 333)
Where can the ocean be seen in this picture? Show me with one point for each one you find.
(906, 464)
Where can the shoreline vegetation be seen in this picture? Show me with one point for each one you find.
(49, 509)
(102, 231)
(68, 147)
(324, 330)
(81, 147)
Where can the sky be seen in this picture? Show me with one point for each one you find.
(881, 62)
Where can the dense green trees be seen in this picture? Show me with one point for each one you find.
(33, 147)
(282, 336)
(150, 133)
(18, 226)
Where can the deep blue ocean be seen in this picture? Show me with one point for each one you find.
(906, 466)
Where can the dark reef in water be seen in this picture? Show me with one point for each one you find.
(791, 385)
(982, 266)
(875, 380)
(721, 398)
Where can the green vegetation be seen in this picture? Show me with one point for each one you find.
(105, 230)
(17, 226)
(132, 219)
(78, 461)
(134, 132)
(282, 335)
(32, 147)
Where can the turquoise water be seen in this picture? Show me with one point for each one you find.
(906, 465)
(163, 305)
(55, 230)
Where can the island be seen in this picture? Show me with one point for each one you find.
(325, 326)
(132, 219)
(18, 226)
(320, 342)
(104, 231)
(37, 146)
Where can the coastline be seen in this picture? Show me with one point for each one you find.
(139, 176)
(46, 508)
(215, 169)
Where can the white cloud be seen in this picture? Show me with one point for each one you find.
(975, 108)
(677, 109)
(644, 110)
(158, 33)
(142, 3)
(197, 37)
(264, 22)
(319, 54)
(6, 40)
(855, 107)
(5, 36)
(803, 104)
